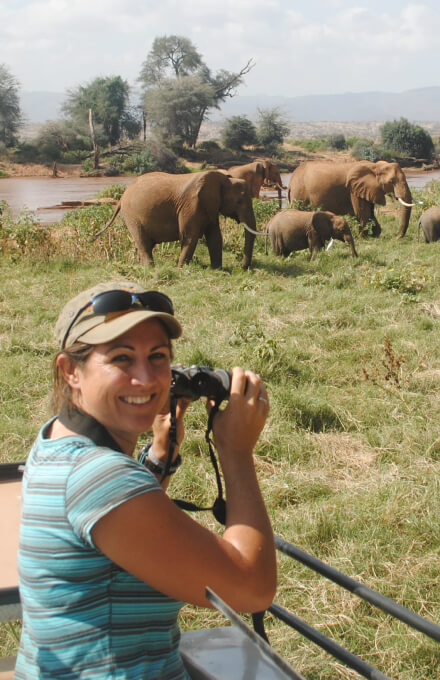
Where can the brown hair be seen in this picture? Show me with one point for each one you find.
(78, 353)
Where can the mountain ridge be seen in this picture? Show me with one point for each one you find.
(420, 105)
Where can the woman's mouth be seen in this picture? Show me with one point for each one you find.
(137, 400)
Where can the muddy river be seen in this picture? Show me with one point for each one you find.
(38, 194)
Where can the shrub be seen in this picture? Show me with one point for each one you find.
(209, 145)
(337, 141)
(239, 131)
(403, 137)
(366, 150)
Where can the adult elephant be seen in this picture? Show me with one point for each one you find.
(160, 207)
(291, 230)
(352, 188)
(256, 174)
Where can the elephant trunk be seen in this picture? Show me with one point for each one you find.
(249, 240)
(350, 242)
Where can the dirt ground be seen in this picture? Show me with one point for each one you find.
(39, 170)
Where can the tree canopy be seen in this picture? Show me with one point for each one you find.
(108, 98)
(10, 111)
(238, 131)
(179, 89)
(402, 137)
(272, 128)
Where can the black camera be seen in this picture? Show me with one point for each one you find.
(200, 381)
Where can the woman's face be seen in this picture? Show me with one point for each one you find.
(125, 383)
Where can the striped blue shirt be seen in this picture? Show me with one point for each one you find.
(83, 616)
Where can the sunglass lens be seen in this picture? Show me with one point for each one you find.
(157, 302)
(112, 301)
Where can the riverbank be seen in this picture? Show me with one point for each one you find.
(75, 170)
(41, 170)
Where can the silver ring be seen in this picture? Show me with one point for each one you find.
(263, 400)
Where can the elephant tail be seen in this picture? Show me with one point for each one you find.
(109, 223)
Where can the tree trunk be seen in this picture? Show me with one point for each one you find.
(95, 145)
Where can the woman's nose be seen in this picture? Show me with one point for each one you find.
(143, 374)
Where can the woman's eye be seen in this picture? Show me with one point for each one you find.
(159, 356)
(120, 358)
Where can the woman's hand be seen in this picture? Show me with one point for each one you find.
(161, 429)
(237, 427)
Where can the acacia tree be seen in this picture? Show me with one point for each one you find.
(179, 89)
(10, 113)
(108, 99)
(272, 128)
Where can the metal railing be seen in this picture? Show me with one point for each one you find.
(384, 603)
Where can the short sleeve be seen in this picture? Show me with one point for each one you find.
(100, 480)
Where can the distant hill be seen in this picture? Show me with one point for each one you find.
(416, 105)
(363, 112)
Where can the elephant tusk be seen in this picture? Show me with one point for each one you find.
(407, 205)
(330, 243)
(252, 231)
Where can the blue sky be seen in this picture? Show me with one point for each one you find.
(299, 48)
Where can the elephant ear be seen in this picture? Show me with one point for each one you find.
(362, 183)
(209, 190)
(260, 169)
(313, 237)
(323, 225)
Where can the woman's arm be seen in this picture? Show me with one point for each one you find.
(163, 546)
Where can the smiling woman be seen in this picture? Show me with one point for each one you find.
(99, 537)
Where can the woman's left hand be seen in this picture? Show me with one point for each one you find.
(161, 429)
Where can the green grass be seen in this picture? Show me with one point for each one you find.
(349, 460)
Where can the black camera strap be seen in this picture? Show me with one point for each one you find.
(219, 506)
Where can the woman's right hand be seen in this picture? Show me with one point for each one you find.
(237, 428)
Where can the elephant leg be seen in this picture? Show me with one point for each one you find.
(188, 246)
(142, 241)
(214, 242)
(376, 228)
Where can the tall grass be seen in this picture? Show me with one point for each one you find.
(349, 460)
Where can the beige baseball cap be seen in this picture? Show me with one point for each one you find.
(78, 321)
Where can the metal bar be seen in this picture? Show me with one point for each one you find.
(11, 470)
(386, 604)
(327, 644)
(265, 649)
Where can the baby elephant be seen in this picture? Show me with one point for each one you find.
(429, 223)
(298, 229)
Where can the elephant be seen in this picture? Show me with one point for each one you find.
(429, 223)
(258, 173)
(352, 188)
(299, 229)
(160, 207)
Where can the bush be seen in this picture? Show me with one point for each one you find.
(112, 191)
(402, 137)
(239, 131)
(366, 150)
(209, 145)
(141, 162)
(337, 141)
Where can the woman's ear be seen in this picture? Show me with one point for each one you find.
(69, 370)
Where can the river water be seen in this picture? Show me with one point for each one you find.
(37, 194)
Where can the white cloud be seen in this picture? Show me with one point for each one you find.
(314, 47)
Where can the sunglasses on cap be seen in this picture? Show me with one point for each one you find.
(121, 301)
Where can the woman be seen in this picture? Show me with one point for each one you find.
(106, 559)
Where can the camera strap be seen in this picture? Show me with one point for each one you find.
(219, 506)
